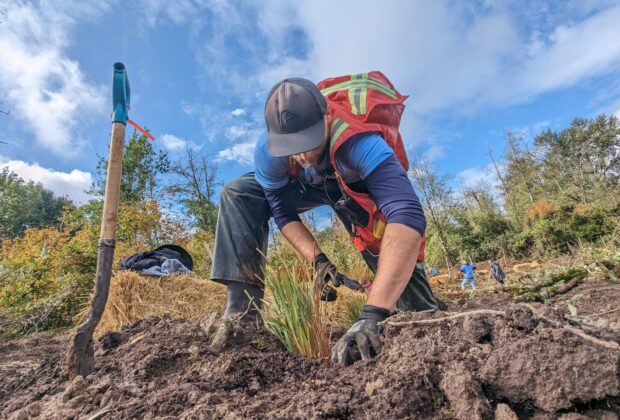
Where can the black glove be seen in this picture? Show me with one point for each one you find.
(363, 340)
(324, 273)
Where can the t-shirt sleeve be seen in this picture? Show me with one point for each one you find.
(393, 193)
(362, 154)
(271, 172)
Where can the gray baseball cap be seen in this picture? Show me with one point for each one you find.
(294, 114)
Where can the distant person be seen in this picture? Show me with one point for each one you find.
(496, 272)
(467, 268)
(433, 271)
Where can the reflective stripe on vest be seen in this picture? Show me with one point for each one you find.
(357, 89)
(357, 95)
(338, 127)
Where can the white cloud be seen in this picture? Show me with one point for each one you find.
(72, 184)
(236, 132)
(172, 142)
(484, 176)
(531, 131)
(162, 11)
(287, 67)
(242, 153)
(433, 54)
(473, 177)
(434, 152)
(464, 57)
(457, 56)
(575, 52)
(189, 109)
(238, 112)
(43, 86)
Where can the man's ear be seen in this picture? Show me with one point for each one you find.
(328, 113)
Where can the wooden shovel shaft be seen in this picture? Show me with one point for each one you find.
(113, 182)
(81, 357)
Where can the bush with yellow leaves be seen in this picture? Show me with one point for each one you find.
(47, 275)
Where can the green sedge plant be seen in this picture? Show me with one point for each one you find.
(292, 311)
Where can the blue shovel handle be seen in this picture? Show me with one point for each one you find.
(120, 94)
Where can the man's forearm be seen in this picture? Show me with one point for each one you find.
(302, 240)
(397, 259)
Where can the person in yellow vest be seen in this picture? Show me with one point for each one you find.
(336, 144)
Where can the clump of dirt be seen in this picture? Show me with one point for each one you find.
(433, 364)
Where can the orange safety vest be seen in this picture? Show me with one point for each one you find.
(361, 103)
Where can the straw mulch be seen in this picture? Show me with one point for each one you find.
(525, 267)
(134, 297)
(439, 280)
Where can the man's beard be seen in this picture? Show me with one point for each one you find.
(319, 162)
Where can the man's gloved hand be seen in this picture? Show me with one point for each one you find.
(324, 273)
(363, 340)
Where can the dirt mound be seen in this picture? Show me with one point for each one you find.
(433, 365)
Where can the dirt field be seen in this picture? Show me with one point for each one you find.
(486, 357)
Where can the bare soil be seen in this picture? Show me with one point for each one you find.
(485, 357)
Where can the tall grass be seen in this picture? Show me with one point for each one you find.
(292, 312)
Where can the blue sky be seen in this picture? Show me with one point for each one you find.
(200, 70)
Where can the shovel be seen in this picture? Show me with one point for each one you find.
(81, 357)
(329, 294)
(352, 284)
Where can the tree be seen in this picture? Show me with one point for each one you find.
(26, 204)
(195, 187)
(522, 179)
(437, 201)
(582, 163)
(142, 166)
(480, 227)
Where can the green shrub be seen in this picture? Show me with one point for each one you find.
(45, 280)
(520, 244)
(47, 275)
(592, 224)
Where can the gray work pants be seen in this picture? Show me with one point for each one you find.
(242, 233)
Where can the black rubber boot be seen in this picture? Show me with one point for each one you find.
(243, 298)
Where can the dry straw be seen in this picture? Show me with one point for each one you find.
(134, 297)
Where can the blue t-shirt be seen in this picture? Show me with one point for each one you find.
(468, 270)
(355, 160)
(365, 157)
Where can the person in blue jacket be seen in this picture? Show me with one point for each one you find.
(467, 268)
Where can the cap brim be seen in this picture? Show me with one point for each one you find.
(302, 141)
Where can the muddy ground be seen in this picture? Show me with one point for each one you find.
(486, 357)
